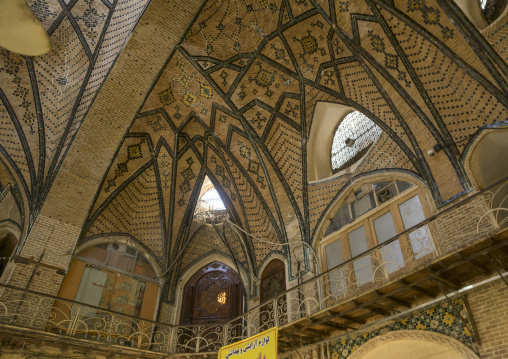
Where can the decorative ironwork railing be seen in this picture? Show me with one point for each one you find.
(451, 229)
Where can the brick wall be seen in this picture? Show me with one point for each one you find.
(489, 305)
(458, 228)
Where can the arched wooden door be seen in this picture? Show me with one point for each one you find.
(273, 283)
(213, 295)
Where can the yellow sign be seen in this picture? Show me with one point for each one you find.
(259, 346)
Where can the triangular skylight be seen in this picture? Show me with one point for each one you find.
(209, 198)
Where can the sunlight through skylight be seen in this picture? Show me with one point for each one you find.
(212, 198)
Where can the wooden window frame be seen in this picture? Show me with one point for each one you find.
(367, 220)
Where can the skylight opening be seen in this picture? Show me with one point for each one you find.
(212, 201)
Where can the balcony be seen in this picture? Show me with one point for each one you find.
(460, 245)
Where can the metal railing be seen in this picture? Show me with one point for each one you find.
(456, 227)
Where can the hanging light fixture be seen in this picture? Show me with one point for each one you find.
(20, 31)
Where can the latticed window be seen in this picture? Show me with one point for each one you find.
(492, 9)
(352, 139)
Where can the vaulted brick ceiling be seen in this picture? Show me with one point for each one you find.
(234, 101)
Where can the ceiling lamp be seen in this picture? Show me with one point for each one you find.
(20, 31)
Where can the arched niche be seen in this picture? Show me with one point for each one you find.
(128, 241)
(9, 237)
(355, 185)
(414, 344)
(488, 157)
(327, 117)
(213, 294)
(272, 284)
(488, 164)
(113, 275)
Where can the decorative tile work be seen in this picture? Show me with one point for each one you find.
(204, 241)
(306, 59)
(283, 142)
(431, 17)
(465, 106)
(276, 51)
(182, 91)
(497, 35)
(157, 127)
(291, 108)
(188, 168)
(91, 17)
(223, 122)
(259, 223)
(165, 166)
(224, 77)
(132, 155)
(134, 211)
(258, 118)
(447, 318)
(14, 73)
(345, 8)
(368, 96)
(309, 45)
(46, 11)
(385, 154)
(265, 83)
(384, 52)
(125, 16)
(298, 7)
(10, 141)
(329, 78)
(60, 74)
(224, 29)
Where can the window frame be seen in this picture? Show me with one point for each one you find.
(367, 220)
(103, 265)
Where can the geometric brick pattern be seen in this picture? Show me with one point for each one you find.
(235, 101)
(47, 97)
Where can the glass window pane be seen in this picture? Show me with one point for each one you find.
(120, 261)
(337, 278)
(386, 193)
(364, 272)
(411, 212)
(380, 185)
(391, 254)
(91, 289)
(403, 186)
(363, 205)
(384, 227)
(340, 220)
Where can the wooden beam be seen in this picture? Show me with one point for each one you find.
(336, 325)
(378, 310)
(317, 332)
(475, 263)
(352, 319)
(416, 288)
(446, 281)
(398, 301)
